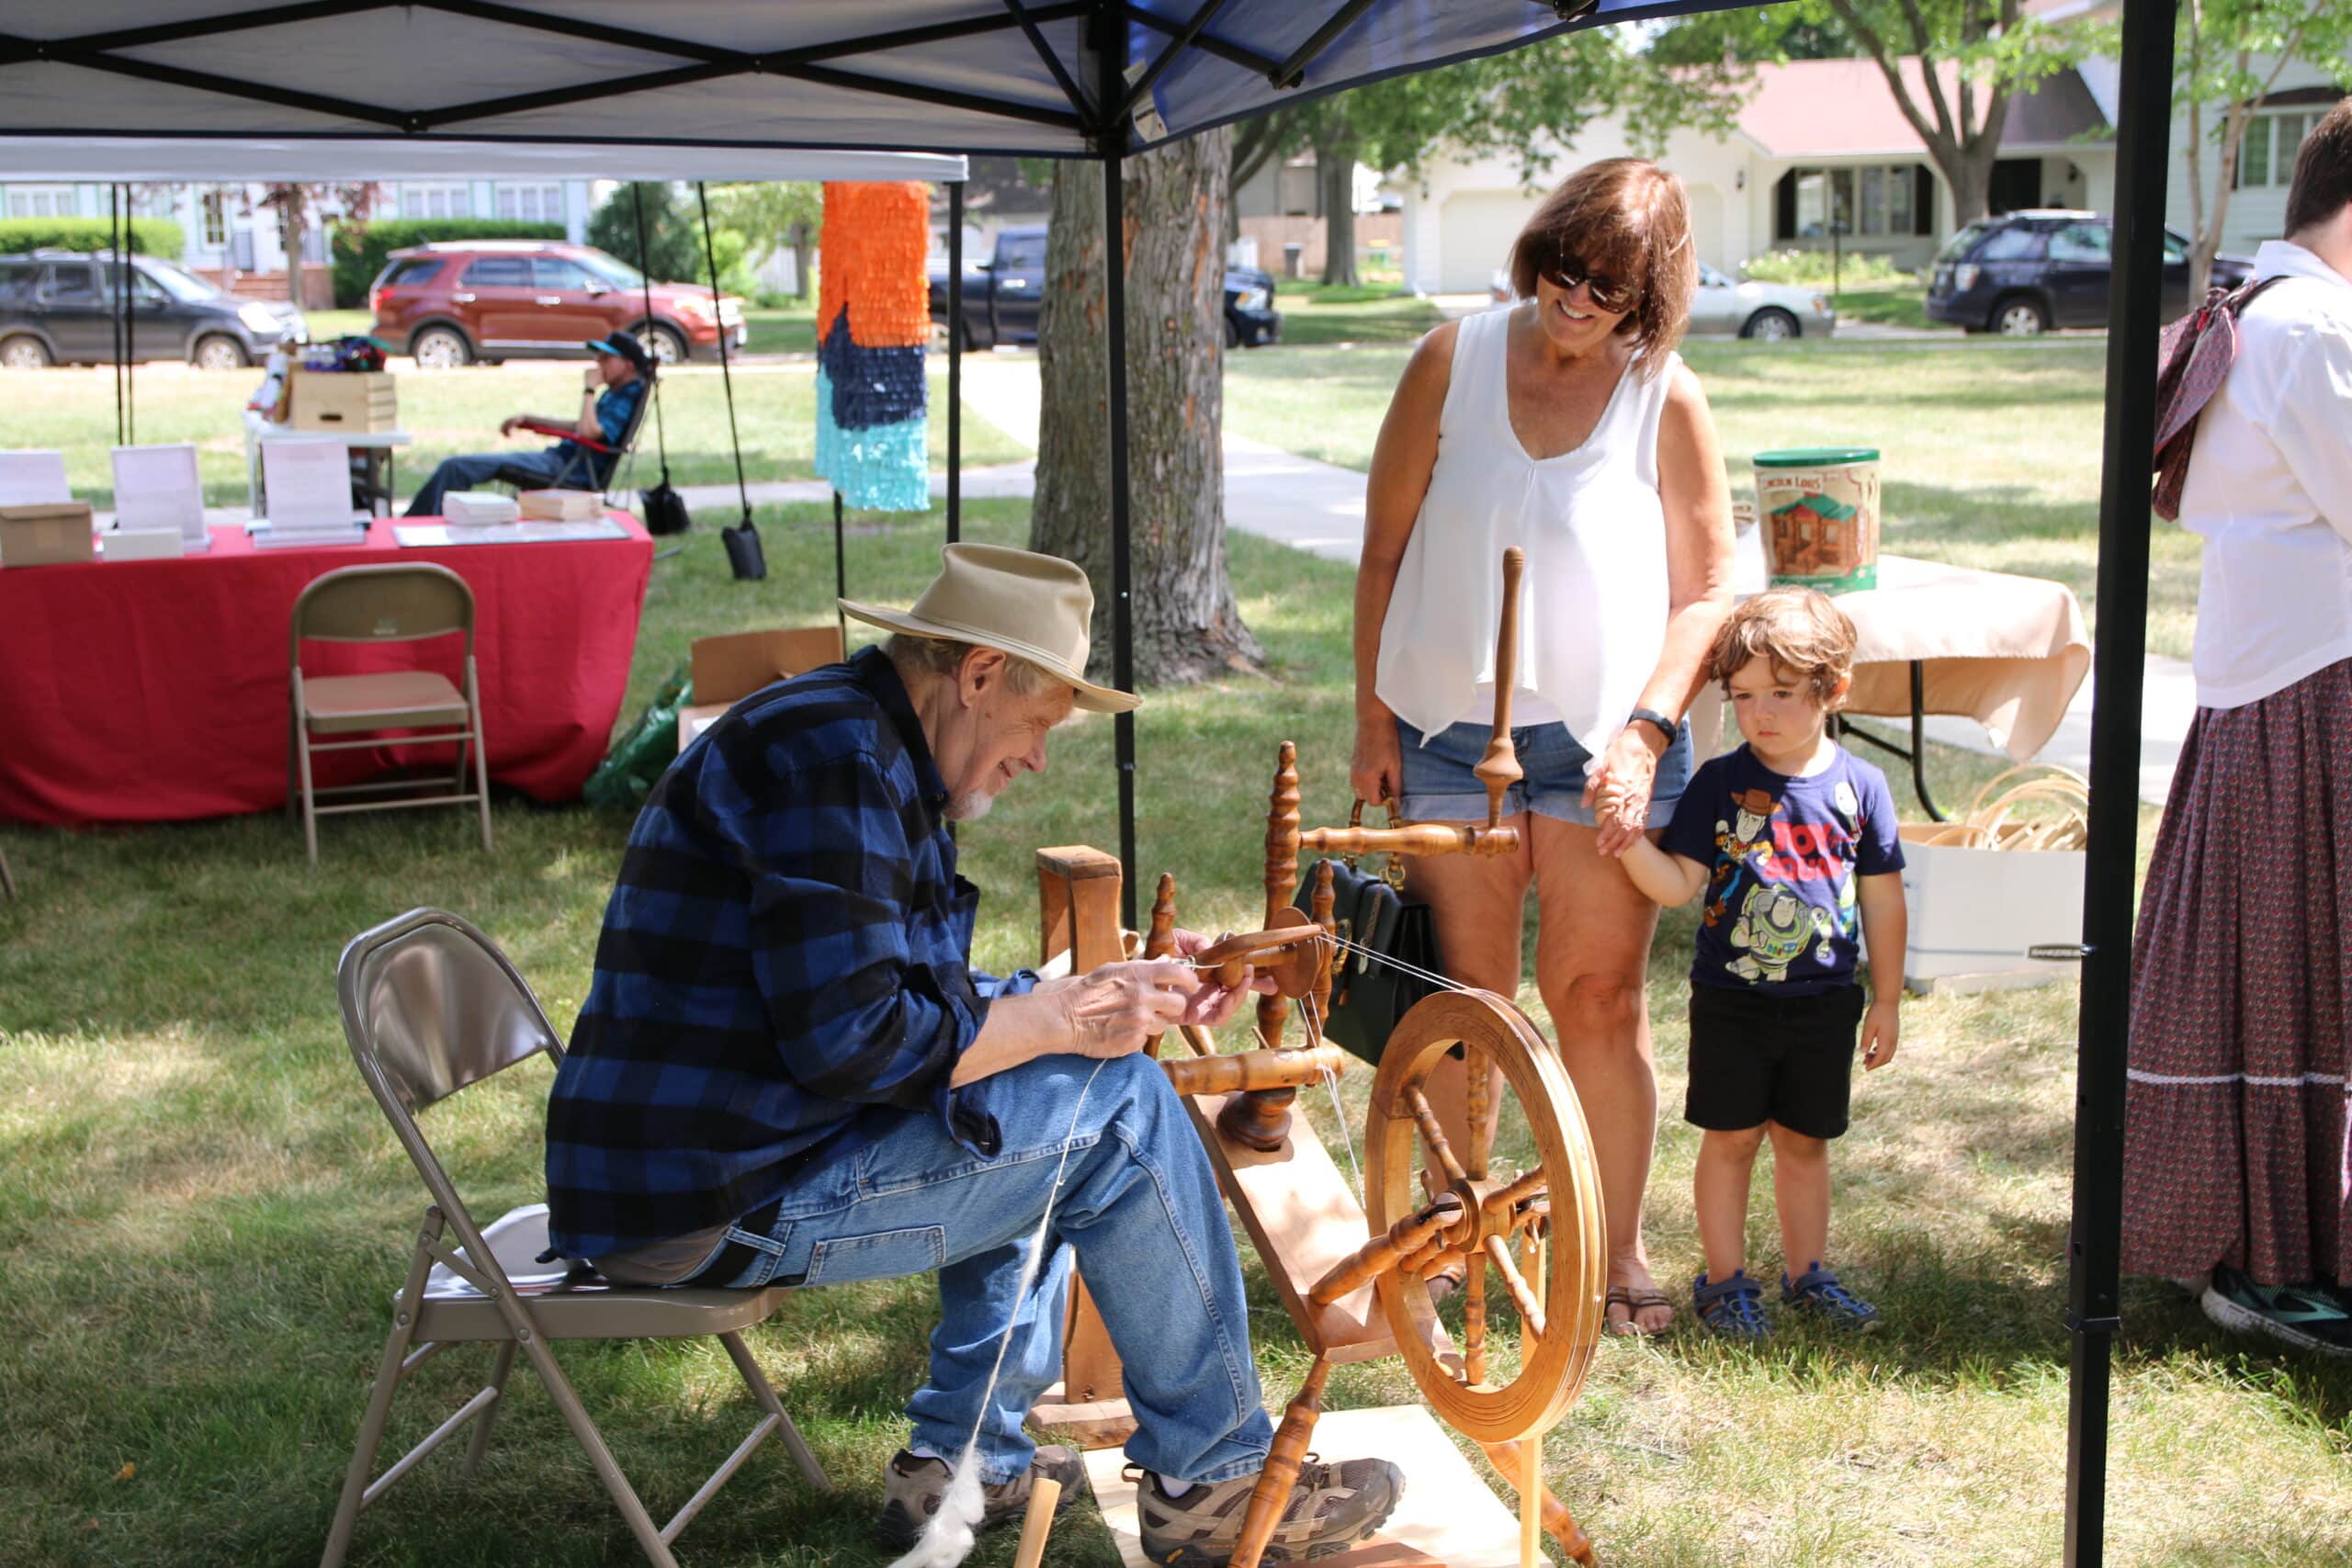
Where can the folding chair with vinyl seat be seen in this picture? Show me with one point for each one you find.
(592, 463)
(378, 604)
(430, 1007)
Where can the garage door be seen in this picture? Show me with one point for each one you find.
(1475, 229)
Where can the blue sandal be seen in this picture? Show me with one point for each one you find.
(1816, 1291)
(1733, 1308)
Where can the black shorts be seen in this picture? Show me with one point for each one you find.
(1757, 1058)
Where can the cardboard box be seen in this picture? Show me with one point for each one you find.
(142, 544)
(1974, 911)
(729, 668)
(46, 533)
(343, 400)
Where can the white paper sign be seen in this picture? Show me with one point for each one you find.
(156, 487)
(309, 484)
(32, 479)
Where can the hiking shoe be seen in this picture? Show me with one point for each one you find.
(913, 1487)
(1733, 1308)
(2309, 1317)
(1818, 1291)
(1332, 1507)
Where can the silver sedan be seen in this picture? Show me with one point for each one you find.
(1770, 311)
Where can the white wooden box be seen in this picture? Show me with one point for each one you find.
(1973, 912)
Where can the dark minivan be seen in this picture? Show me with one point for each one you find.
(2024, 272)
(60, 308)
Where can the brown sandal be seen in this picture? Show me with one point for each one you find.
(1634, 1301)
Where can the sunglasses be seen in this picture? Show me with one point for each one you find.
(1606, 293)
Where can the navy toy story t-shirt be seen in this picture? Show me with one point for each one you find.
(1780, 911)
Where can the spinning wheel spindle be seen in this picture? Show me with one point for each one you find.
(1282, 870)
(1271, 1494)
(1383, 1253)
(1160, 941)
(1321, 905)
(1498, 769)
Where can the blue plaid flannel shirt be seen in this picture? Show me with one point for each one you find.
(782, 976)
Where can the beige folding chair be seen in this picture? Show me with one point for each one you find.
(382, 603)
(430, 1007)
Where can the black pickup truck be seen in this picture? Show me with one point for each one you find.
(1002, 296)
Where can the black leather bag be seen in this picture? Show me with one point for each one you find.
(1368, 997)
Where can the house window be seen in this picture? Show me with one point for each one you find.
(1878, 200)
(214, 211)
(41, 201)
(531, 204)
(436, 202)
(2266, 156)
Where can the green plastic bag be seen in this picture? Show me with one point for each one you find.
(643, 753)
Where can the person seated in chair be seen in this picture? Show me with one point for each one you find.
(611, 391)
(787, 1072)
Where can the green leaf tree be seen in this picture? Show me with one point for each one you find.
(2229, 56)
(773, 216)
(1529, 102)
(672, 248)
(1997, 52)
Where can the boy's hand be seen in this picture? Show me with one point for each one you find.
(1879, 1027)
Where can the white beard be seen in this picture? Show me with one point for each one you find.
(970, 807)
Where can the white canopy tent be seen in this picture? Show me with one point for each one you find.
(134, 158)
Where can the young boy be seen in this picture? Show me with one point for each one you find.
(1788, 837)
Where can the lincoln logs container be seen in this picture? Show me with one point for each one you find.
(1819, 508)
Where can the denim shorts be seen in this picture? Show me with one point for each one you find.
(1439, 786)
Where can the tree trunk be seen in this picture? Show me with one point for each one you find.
(802, 254)
(1187, 625)
(1970, 176)
(1335, 172)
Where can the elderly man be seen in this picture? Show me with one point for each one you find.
(786, 1071)
(611, 391)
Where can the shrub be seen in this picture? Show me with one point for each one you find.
(672, 247)
(149, 236)
(1814, 267)
(360, 254)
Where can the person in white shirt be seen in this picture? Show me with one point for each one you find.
(2237, 1161)
(1567, 425)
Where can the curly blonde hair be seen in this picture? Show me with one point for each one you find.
(1808, 638)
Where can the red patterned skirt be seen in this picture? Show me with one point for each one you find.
(2234, 1143)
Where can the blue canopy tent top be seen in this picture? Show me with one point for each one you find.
(739, 84)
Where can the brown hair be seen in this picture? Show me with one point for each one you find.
(1805, 636)
(2322, 184)
(1626, 218)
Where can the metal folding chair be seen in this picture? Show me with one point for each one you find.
(592, 465)
(378, 604)
(430, 1007)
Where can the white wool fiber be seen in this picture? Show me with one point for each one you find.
(948, 1539)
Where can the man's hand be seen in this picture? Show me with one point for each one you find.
(591, 380)
(507, 426)
(1879, 1027)
(1115, 1008)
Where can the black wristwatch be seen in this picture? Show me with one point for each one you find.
(1651, 716)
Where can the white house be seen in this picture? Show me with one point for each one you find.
(1819, 139)
(233, 238)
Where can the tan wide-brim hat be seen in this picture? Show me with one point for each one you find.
(1036, 607)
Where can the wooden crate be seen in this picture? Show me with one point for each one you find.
(344, 401)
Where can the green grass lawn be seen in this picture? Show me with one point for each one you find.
(449, 412)
(1902, 304)
(205, 1215)
(787, 329)
(1314, 313)
(1990, 451)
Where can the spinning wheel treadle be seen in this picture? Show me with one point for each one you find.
(1497, 1218)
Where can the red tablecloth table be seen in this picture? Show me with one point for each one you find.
(156, 691)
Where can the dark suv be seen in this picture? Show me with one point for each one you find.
(2023, 273)
(60, 308)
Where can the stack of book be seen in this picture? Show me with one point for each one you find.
(479, 508)
(562, 505)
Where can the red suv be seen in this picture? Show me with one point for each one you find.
(451, 303)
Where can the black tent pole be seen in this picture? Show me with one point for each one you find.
(955, 360)
(114, 317)
(2093, 1259)
(1111, 138)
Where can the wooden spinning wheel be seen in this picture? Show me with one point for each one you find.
(1504, 1229)
(1353, 1277)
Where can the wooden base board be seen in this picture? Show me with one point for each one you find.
(1099, 1424)
(1447, 1519)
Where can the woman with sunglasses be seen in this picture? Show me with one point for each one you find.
(1567, 425)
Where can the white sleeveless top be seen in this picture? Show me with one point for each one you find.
(1594, 596)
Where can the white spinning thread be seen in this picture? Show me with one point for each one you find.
(948, 1538)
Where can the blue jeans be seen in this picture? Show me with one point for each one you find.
(1139, 1208)
(532, 470)
(1440, 783)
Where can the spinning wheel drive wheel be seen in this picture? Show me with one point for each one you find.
(1560, 1314)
